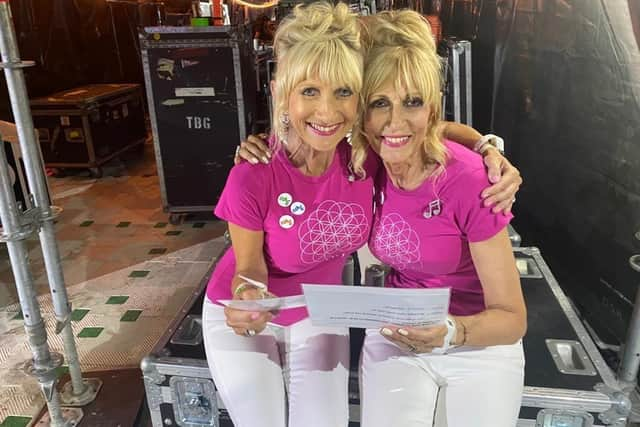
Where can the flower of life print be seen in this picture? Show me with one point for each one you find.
(332, 229)
(395, 242)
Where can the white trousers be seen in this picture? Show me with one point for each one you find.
(295, 376)
(468, 387)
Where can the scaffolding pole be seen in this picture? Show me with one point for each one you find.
(79, 391)
(15, 229)
(630, 363)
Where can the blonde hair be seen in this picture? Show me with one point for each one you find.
(400, 48)
(318, 40)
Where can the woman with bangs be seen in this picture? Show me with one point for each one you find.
(431, 227)
(292, 221)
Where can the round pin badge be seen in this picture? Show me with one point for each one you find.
(298, 208)
(285, 200)
(286, 221)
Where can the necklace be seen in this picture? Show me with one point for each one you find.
(402, 180)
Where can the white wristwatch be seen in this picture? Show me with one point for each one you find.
(489, 140)
(451, 335)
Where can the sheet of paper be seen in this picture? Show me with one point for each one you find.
(267, 304)
(368, 307)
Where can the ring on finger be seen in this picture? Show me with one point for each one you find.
(237, 151)
(412, 348)
(249, 333)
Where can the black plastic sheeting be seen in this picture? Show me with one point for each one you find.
(70, 40)
(75, 42)
(564, 90)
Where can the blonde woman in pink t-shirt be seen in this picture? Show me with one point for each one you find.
(294, 220)
(431, 227)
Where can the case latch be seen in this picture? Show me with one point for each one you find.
(194, 402)
(563, 418)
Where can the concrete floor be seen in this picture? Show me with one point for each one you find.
(126, 268)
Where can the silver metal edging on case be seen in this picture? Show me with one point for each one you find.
(469, 107)
(532, 423)
(556, 398)
(146, 71)
(457, 116)
(183, 367)
(239, 90)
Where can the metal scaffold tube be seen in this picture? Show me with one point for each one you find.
(78, 391)
(630, 364)
(15, 230)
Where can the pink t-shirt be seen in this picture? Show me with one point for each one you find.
(310, 224)
(424, 234)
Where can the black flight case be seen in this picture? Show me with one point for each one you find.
(201, 91)
(567, 382)
(87, 126)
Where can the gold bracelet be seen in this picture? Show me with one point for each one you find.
(242, 286)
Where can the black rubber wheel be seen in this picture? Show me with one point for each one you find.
(95, 172)
(176, 219)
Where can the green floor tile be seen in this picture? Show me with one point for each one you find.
(160, 225)
(199, 224)
(86, 223)
(139, 273)
(123, 224)
(130, 315)
(18, 316)
(12, 421)
(78, 314)
(157, 251)
(90, 332)
(117, 299)
(61, 370)
(173, 232)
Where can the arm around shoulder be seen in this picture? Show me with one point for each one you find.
(462, 134)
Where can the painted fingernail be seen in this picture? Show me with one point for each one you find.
(403, 332)
(484, 195)
(264, 159)
(254, 316)
(386, 331)
(253, 161)
(487, 203)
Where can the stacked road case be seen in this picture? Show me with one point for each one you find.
(87, 126)
(201, 90)
(567, 382)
